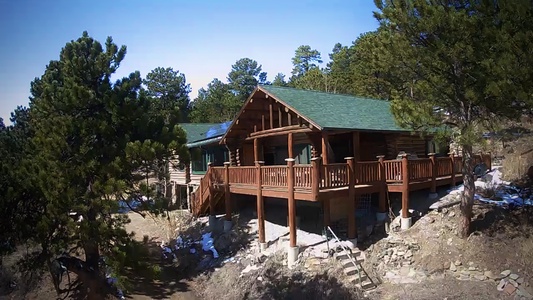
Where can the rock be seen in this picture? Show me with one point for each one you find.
(404, 271)
(260, 278)
(444, 210)
(451, 214)
(463, 277)
(400, 253)
(472, 269)
(453, 268)
(409, 254)
(514, 283)
(506, 273)
(480, 277)
(501, 285)
(489, 274)
(520, 280)
(471, 263)
(514, 276)
(458, 263)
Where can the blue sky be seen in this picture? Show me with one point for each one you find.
(201, 39)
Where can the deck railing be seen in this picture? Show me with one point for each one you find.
(336, 175)
(367, 172)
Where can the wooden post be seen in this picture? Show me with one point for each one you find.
(256, 150)
(352, 227)
(227, 195)
(290, 146)
(405, 186)
(356, 143)
(325, 160)
(433, 188)
(260, 203)
(315, 180)
(292, 202)
(452, 161)
(212, 211)
(271, 117)
(383, 189)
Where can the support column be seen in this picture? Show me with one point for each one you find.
(381, 215)
(211, 198)
(352, 226)
(315, 179)
(290, 145)
(406, 219)
(227, 198)
(356, 144)
(260, 207)
(292, 252)
(325, 160)
(433, 189)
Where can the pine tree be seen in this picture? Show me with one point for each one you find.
(94, 145)
(456, 63)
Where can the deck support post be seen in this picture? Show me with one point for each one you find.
(433, 188)
(406, 219)
(383, 189)
(489, 161)
(211, 198)
(260, 207)
(256, 150)
(315, 179)
(227, 198)
(293, 249)
(325, 157)
(452, 161)
(352, 227)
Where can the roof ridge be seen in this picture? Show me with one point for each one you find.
(322, 92)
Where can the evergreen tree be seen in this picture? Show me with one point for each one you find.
(459, 63)
(304, 60)
(170, 91)
(244, 76)
(215, 104)
(279, 80)
(94, 144)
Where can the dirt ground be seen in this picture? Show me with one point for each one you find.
(501, 240)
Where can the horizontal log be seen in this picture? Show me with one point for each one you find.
(262, 134)
(279, 129)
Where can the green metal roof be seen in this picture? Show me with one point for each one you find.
(197, 132)
(336, 111)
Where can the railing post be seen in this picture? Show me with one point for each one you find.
(352, 228)
(433, 188)
(383, 182)
(405, 186)
(227, 197)
(260, 206)
(315, 180)
(452, 160)
(292, 254)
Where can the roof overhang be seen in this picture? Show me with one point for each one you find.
(204, 142)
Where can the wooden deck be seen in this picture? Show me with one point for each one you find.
(317, 182)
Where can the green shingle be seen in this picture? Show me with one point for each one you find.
(335, 111)
(196, 131)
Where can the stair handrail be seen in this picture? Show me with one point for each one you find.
(350, 257)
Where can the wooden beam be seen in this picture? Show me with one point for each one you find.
(325, 143)
(280, 117)
(405, 186)
(263, 122)
(281, 129)
(227, 195)
(276, 133)
(356, 141)
(352, 227)
(291, 203)
(256, 150)
(290, 145)
(260, 204)
(271, 116)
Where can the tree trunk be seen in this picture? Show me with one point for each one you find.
(467, 200)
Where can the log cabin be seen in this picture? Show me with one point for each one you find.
(333, 150)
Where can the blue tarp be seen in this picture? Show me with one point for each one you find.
(218, 130)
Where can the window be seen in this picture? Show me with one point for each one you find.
(217, 155)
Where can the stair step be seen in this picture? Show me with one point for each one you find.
(343, 255)
(366, 284)
(348, 262)
(354, 271)
(354, 278)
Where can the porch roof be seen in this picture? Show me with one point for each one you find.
(336, 111)
(199, 134)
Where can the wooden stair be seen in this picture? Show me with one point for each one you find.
(200, 198)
